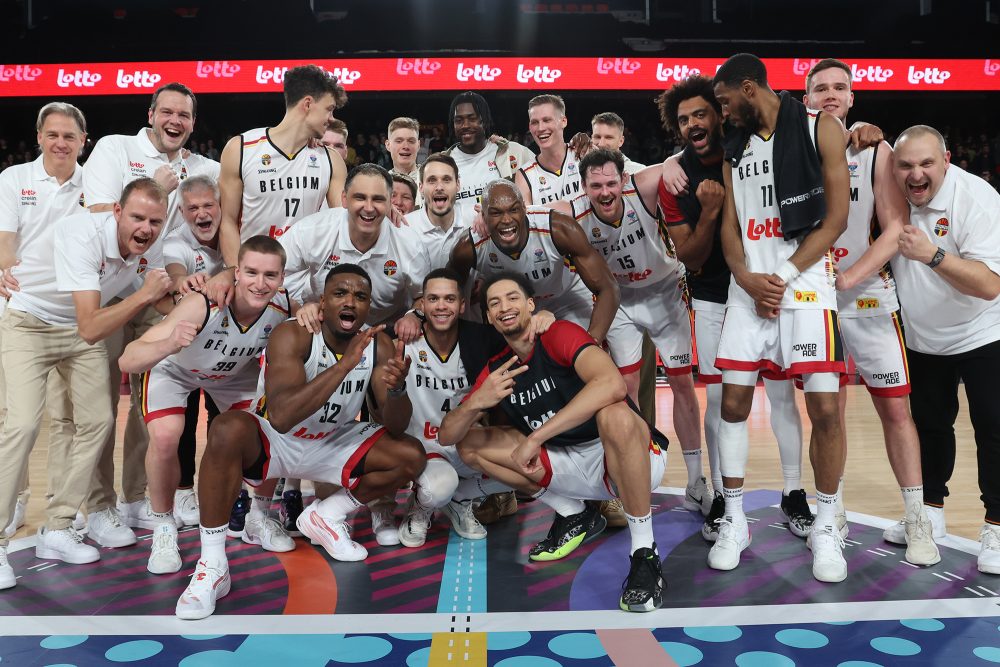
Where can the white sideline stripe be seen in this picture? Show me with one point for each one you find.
(500, 622)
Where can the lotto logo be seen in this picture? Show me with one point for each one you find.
(839, 253)
(136, 165)
(770, 228)
(675, 73)
(418, 66)
(19, 72)
(931, 75)
(539, 73)
(219, 69)
(276, 231)
(25, 192)
(990, 68)
(390, 268)
(140, 78)
(802, 296)
(270, 74)
(873, 73)
(77, 78)
(941, 227)
(430, 431)
(617, 66)
(866, 304)
(801, 67)
(479, 72)
(345, 75)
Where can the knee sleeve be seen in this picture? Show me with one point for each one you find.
(786, 423)
(437, 483)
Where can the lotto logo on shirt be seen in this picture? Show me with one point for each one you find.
(265, 159)
(141, 269)
(802, 296)
(390, 268)
(941, 227)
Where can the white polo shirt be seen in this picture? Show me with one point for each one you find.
(397, 263)
(439, 242)
(119, 159)
(85, 257)
(185, 249)
(31, 202)
(963, 219)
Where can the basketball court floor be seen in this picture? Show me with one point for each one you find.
(479, 603)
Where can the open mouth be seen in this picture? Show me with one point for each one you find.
(369, 218)
(204, 225)
(918, 189)
(698, 137)
(507, 233)
(543, 137)
(141, 240)
(347, 319)
(440, 200)
(172, 133)
(606, 203)
(508, 318)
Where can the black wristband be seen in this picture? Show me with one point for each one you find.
(937, 259)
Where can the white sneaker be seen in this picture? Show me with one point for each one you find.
(80, 523)
(841, 522)
(989, 549)
(920, 547)
(414, 527)
(697, 497)
(896, 533)
(384, 523)
(186, 508)
(107, 529)
(7, 578)
(268, 533)
(208, 584)
(165, 557)
(463, 519)
(733, 538)
(20, 509)
(333, 536)
(828, 558)
(65, 545)
(140, 515)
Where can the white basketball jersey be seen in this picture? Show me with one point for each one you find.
(224, 347)
(557, 286)
(475, 170)
(877, 294)
(764, 245)
(632, 246)
(435, 384)
(547, 187)
(279, 189)
(342, 406)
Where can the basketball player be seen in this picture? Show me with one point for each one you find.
(335, 137)
(55, 181)
(554, 174)
(787, 197)
(619, 218)
(690, 111)
(572, 436)
(155, 152)
(480, 160)
(201, 345)
(867, 305)
(313, 386)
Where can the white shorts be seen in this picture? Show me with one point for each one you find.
(436, 450)
(798, 342)
(661, 311)
(708, 318)
(331, 460)
(578, 471)
(165, 393)
(876, 344)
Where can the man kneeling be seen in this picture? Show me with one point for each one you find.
(313, 387)
(573, 436)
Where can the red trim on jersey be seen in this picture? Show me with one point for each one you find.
(564, 340)
(543, 458)
(631, 368)
(672, 214)
(763, 365)
(710, 378)
(434, 455)
(680, 370)
(801, 368)
(890, 392)
(241, 405)
(345, 480)
(777, 376)
(165, 412)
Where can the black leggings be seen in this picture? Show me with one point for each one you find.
(187, 445)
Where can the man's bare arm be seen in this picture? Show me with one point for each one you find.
(570, 239)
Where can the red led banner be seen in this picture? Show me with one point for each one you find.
(474, 72)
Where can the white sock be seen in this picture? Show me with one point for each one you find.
(213, 546)
(734, 505)
(640, 529)
(826, 510)
(692, 460)
(734, 445)
(292, 484)
(713, 415)
(338, 506)
(787, 426)
(477, 487)
(259, 506)
(913, 498)
(561, 504)
(162, 517)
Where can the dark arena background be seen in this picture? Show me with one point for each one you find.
(483, 603)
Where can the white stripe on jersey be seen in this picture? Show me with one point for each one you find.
(632, 246)
(557, 287)
(764, 245)
(223, 346)
(877, 294)
(341, 407)
(435, 387)
(278, 189)
(547, 187)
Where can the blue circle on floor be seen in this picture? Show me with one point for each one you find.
(134, 650)
(528, 661)
(504, 641)
(577, 645)
(419, 658)
(798, 638)
(859, 663)
(839, 623)
(923, 624)
(201, 638)
(987, 653)
(412, 636)
(684, 655)
(717, 634)
(63, 641)
(763, 659)
(895, 646)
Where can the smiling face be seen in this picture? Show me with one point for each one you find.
(367, 203)
(443, 304)
(172, 120)
(919, 167)
(258, 277)
(508, 308)
(603, 186)
(546, 125)
(439, 187)
(699, 125)
(402, 197)
(61, 140)
(468, 127)
(345, 303)
(830, 91)
(606, 136)
(140, 221)
(202, 213)
(403, 144)
(506, 219)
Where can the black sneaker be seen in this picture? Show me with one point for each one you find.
(569, 532)
(642, 589)
(288, 513)
(796, 511)
(238, 517)
(710, 529)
